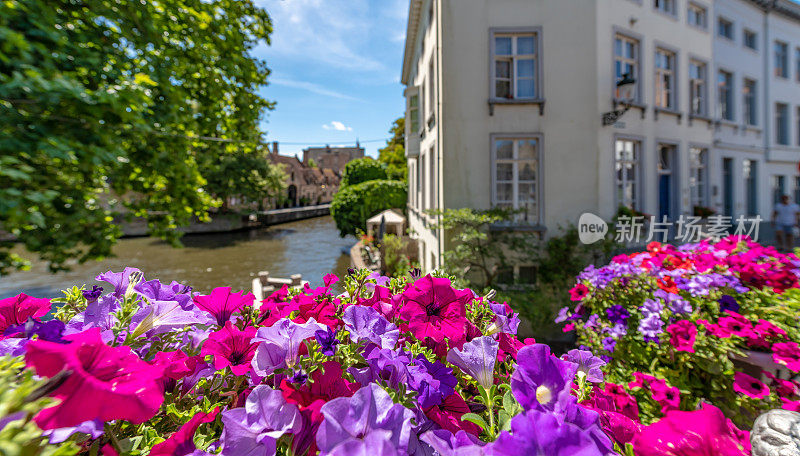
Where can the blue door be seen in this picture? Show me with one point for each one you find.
(665, 196)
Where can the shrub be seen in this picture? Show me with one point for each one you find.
(671, 321)
(354, 204)
(362, 170)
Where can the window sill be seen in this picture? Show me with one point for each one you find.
(516, 101)
(701, 117)
(699, 28)
(727, 123)
(518, 227)
(753, 128)
(672, 112)
(631, 104)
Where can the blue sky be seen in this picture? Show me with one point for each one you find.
(335, 71)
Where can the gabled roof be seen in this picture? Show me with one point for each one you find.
(391, 216)
(412, 29)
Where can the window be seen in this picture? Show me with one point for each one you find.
(626, 167)
(781, 60)
(782, 123)
(750, 102)
(698, 176)
(697, 16)
(421, 197)
(725, 28)
(750, 171)
(413, 112)
(516, 177)
(515, 71)
(797, 64)
(750, 40)
(725, 95)
(626, 61)
(432, 176)
(431, 88)
(797, 189)
(412, 182)
(665, 6)
(798, 126)
(665, 79)
(697, 87)
(778, 188)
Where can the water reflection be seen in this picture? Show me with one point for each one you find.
(311, 247)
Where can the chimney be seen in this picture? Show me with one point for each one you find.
(275, 147)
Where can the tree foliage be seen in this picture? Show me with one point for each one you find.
(250, 176)
(102, 103)
(394, 154)
(354, 204)
(362, 170)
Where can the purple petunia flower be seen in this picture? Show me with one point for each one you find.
(154, 290)
(93, 294)
(50, 330)
(506, 320)
(446, 443)
(120, 280)
(588, 364)
(164, 316)
(617, 331)
(592, 321)
(541, 380)
(365, 323)
(618, 314)
(256, 428)
(609, 344)
(651, 307)
(563, 314)
(93, 428)
(728, 303)
(99, 314)
(433, 381)
(651, 326)
(366, 423)
(327, 341)
(298, 376)
(280, 344)
(477, 359)
(539, 433)
(385, 364)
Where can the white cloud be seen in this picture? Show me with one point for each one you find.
(338, 126)
(311, 87)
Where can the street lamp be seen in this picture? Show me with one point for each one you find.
(622, 102)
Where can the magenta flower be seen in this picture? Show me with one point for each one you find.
(182, 441)
(541, 381)
(431, 308)
(222, 303)
(232, 348)
(668, 397)
(682, 335)
(749, 386)
(697, 433)
(788, 354)
(16, 310)
(578, 292)
(106, 383)
(366, 423)
(477, 359)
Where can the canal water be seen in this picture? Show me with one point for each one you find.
(310, 247)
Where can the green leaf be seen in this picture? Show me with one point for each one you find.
(476, 419)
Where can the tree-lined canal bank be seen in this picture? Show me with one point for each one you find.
(309, 247)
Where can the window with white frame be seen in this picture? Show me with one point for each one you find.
(516, 176)
(432, 177)
(724, 28)
(626, 61)
(750, 39)
(421, 181)
(750, 174)
(665, 79)
(626, 168)
(698, 97)
(750, 92)
(797, 64)
(698, 176)
(665, 6)
(412, 182)
(697, 15)
(431, 88)
(515, 66)
(413, 112)
(782, 124)
(781, 59)
(725, 95)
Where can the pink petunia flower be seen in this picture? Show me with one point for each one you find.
(232, 348)
(16, 310)
(448, 415)
(105, 383)
(737, 325)
(715, 330)
(431, 308)
(749, 386)
(222, 303)
(784, 388)
(182, 441)
(788, 354)
(766, 333)
(641, 380)
(682, 335)
(578, 292)
(793, 406)
(697, 433)
(668, 397)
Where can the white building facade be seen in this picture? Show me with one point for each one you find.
(505, 103)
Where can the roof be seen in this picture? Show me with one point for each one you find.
(391, 217)
(414, 13)
(785, 8)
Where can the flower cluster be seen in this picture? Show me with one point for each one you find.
(407, 366)
(706, 321)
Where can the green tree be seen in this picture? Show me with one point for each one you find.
(394, 154)
(110, 107)
(247, 175)
(354, 204)
(362, 170)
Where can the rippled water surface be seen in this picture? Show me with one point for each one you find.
(311, 247)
